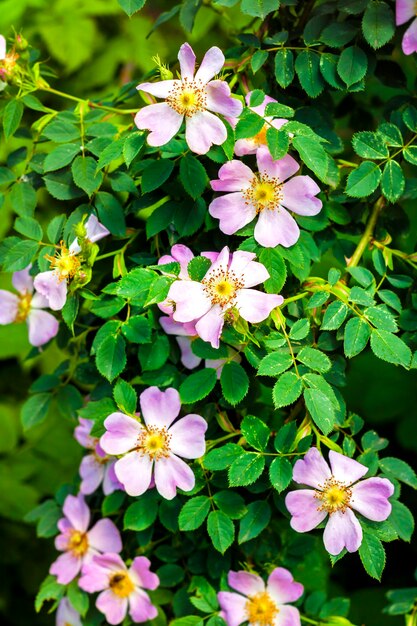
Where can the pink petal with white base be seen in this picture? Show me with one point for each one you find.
(233, 176)
(105, 537)
(38, 301)
(342, 531)
(255, 306)
(287, 616)
(210, 326)
(66, 568)
(186, 57)
(54, 290)
(299, 196)
(202, 130)
(187, 437)
(409, 44)
(171, 473)
(234, 607)
(304, 508)
(219, 99)
(42, 327)
(211, 65)
(160, 89)
(171, 327)
(113, 607)
(121, 435)
(233, 211)
(159, 408)
(370, 498)
(190, 300)
(141, 608)
(281, 169)
(77, 512)
(9, 307)
(141, 574)
(188, 358)
(134, 472)
(149, 118)
(246, 583)
(344, 469)
(276, 227)
(312, 470)
(82, 433)
(404, 11)
(23, 281)
(282, 587)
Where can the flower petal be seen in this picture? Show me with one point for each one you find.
(233, 176)
(342, 531)
(255, 306)
(210, 326)
(287, 616)
(221, 263)
(249, 271)
(159, 408)
(77, 512)
(370, 498)
(211, 65)
(299, 196)
(113, 607)
(149, 118)
(160, 89)
(281, 169)
(121, 433)
(9, 307)
(141, 574)
(141, 608)
(105, 537)
(2, 48)
(110, 482)
(282, 587)
(202, 130)
(66, 567)
(260, 109)
(312, 470)
(219, 99)
(344, 469)
(23, 281)
(54, 290)
(66, 615)
(82, 433)
(246, 583)
(233, 211)
(404, 11)
(171, 327)
(170, 473)
(304, 508)
(95, 574)
(42, 327)
(190, 300)
(91, 473)
(188, 358)
(134, 472)
(187, 436)
(183, 255)
(409, 44)
(233, 606)
(186, 57)
(276, 227)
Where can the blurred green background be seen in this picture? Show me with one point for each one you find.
(94, 48)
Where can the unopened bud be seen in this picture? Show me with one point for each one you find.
(164, 70)
(21, 43)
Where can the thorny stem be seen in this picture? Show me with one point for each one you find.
(367, 234)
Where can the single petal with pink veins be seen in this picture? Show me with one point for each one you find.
(255, 306)
(342, 531)
(233, 176)
(190, 300)
(42, 327)
(211, 65)
(344, 469)
(121, 434)
(220, 101)
(66, 568)
(246, 583)
(312, 470)
(187, 437)
(141, 608)
(233, 211)
(202, 130)
(210, 326)
(281, 169)
(150, 117)
(160, 408)
(287, 616)
(77, 512)
(304, 508)
(276, 227)
(409, 44)
(141, 574)
(105, 537)
(9, 307)
(186, 57)
(134, 472)
(299, 196)
(54, 290)
(282, 587)
(113, 607)
(23, 281)
(170, 473)
(233, 606)
(161, 89)
(404, 11)
(370, 498)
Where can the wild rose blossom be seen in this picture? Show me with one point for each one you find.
(122, 588)
(8, 62)
(336, 494)
(53, 283)
(28, 307)
(78, 543)
(66, 615)
(226, 284)
(195, 98)
(267, 195)
(152, 451)
(404, 11)
(96, 468)
(251, 144)
(259, 604)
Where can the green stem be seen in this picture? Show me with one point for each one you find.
(367, 234)
(93, 105)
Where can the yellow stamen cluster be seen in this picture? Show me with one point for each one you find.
(261, 610)
(121, 584)
(8, 64)
(65, 263)
(334, 496)
(78, 543)
(23, 308)
(221, 287)
(264, 192)
(154, 442)
(188, 97)
(260, 138)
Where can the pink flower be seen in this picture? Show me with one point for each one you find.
(3, 46)
(336, 493)
(96, 468)
(251, 145)
(226, 284)
(193, 97)
(405, 10)
(153, 450)
(28, 306)
(66, 615)
(122, 589)
(66, 264)
(77, 543)
(260, 604)
(265, 195)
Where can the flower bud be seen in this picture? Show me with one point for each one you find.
(21, 43)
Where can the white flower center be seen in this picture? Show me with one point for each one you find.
(261, 610)
(264, 192)
(154, 442)
(188, 97)
(221, 287)
(121, 584)
(334, 496)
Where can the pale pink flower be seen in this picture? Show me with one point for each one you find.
(8, 61)
(28, 306)
(3, 47)
(96, 468)
(336, 494)
(405, 10)
(251, 144)
(53, 283)
(195, 98)
(122, 588)
(79, 544)
(66, 615)
(226, 285)
(267, 195)
(152, 450)
(259, 604)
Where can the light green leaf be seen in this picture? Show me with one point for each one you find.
(287, 389)
(198, 385)
(364, 180)
(391, 348)
(221, 530)
(321, 409)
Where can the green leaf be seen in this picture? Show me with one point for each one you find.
(12, 116)
(49, 590)
(20, 255)
(284, 67)
(111, 504)
(234, 382)
(156, 174)
(378, 24)
(372, 555)
(221, 530)
(402, 520)
(334, 315)
(307, 66)
(328, 68)
(23, 198)
(246, 469)
(364, 180)
(152, 356)
(392, 181)
(188, 12)
(131, 6)
(259, 8)
(29, 227)
(287, 389)
(391, 348)
(193, 176)
(314, 359)
(142, 513)
(258, 60)
(278, 142)
(132, 146)
(370, 145)
(198, 267)
(313, 155)
(60, 157)
(137, 329)
(381, 318)
(338, 34)
(276, 267)
(275, 364)
(61, 186)
(410, 154)
(35, 410)
(79, 600)
(111, 356)
(400, 470)
(280, 473)
(352, 65)
(300, 330)
(363, 276)
(198, 385)
(230, 503)
(321, 409)
(255, 521)
(357, 333)
(221, 458)
(85, 175)
(255, 431)
(249, 124)
(112, 152)
(110, 213)
(193, 513)
(285, 437)
(125, 396)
